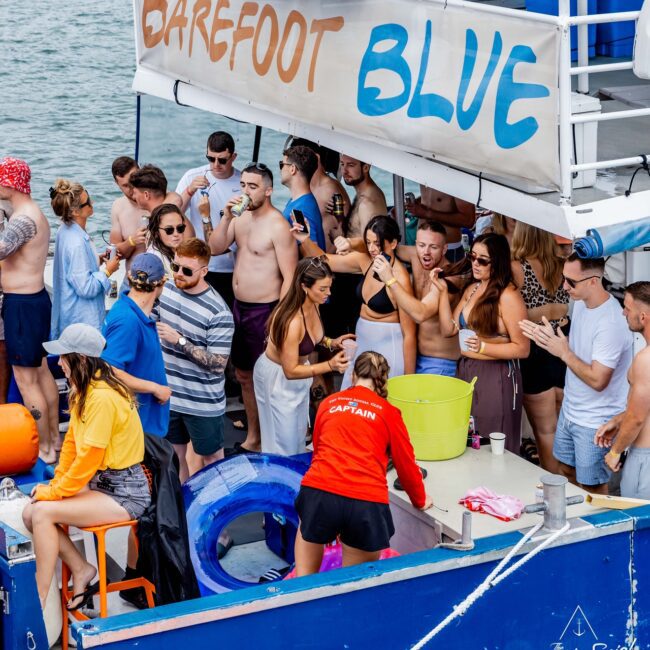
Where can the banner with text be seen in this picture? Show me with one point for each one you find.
(472, 89)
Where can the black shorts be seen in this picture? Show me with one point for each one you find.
(249, 340)
(27, 327)
(542, 370)
(341, 312)
(206, 433)
(364, 525)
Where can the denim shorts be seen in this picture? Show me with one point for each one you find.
(574, 446)
(129, 487)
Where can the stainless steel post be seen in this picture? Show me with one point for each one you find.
(398, 202)
(554, 501)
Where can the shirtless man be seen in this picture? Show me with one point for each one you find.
(452, 213)
(437, 354)
(27, 308)
(369, 200)
(632, 427)
(127, 217)
(323, 187)
(266, 259)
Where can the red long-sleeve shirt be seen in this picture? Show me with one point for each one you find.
(354, 433)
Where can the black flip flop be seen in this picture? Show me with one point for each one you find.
(86, 597)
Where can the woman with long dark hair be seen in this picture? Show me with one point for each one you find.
(282, 375)
(382, 326)
(487, 318)
(344, 492)
(537, 271)
(99, 479)
(164, 233)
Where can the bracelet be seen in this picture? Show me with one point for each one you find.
(108, 273)
(391, 282)
(330, 365)
(613, 453)
(455, 324)
(131, 241)
(327, 342)
(481, 348)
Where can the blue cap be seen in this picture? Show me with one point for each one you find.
(147, 267)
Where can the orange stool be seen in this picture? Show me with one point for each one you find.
(104, 588)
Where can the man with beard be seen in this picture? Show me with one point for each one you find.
(128, 231)
(437, 354)
(266, 259)
(369, 200)
(196, 330)
(26, 306)
(632, 427)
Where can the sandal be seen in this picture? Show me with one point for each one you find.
(86, 597)
(528, 450)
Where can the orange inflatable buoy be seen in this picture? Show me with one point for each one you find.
(18, 439)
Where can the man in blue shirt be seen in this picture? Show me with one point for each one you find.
(132, 343)
(297, 166)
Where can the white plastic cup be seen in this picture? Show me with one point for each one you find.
(497, 443)
(350, 348)
(463, 335)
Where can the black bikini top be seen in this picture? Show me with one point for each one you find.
(379, 303)
(307, 345)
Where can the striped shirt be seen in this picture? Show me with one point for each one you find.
(206, 322)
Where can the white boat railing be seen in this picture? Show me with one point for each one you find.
(568, 166)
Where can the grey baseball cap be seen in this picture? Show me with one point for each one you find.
(79, 338)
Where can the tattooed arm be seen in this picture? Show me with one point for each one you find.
(17, 233)
(214, 363)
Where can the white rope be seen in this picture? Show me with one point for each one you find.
(493, 579)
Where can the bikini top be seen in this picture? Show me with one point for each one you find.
(534, 293)
(379, 303)
(307, 345)
(462, 322)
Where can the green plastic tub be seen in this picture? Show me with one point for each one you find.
(436, 413)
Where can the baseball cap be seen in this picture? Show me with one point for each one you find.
(79, 338)
(147, 267)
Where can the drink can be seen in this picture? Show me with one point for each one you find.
(409, 197)
(242, 206)
(113, 292)
(111, 251)
(144, 221)
(465, 241)
(339, 207)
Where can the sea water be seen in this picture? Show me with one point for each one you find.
(67, 107)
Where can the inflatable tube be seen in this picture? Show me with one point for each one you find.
(12, 505)
(603, 242)
(18, 440)
(226, 490)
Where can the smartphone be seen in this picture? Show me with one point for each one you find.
(386, 256)
(299, 218)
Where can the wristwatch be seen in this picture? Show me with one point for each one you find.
(182, 341)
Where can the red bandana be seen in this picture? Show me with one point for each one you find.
(15, 174)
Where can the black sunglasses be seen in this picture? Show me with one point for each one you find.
(186, 270)
(281, 164)
(86, 204)
(256, 165)
(221, 161)
(572, 283)
(481, 261)
(169, 230)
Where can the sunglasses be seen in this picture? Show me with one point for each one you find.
(481, 261)
(185, 270)
(256, 165)
(282, 164)
(221, 161)
(320, 262)
(169, 230)
(86, 204)
(572, 283)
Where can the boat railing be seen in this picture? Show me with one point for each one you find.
(568, 165)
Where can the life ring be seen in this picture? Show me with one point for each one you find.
(226, 490)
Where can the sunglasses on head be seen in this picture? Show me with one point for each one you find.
(169, 230)
(221, 161)
(572, 283)
(185, 270)
(481, 261)
(256, 165)
(320, 262)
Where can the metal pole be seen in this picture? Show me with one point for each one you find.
(554, 501)
(137, 127)
(398, 202)
(583, 48)
(257, 142)
(566, 134)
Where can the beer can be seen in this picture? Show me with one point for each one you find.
(111, 251)
(339, 207)
(113, 292)
(242, 206)
(409, 197)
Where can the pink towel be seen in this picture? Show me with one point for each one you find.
(501, 506)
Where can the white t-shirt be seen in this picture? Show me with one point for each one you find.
(600, 334)
(220, 191)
